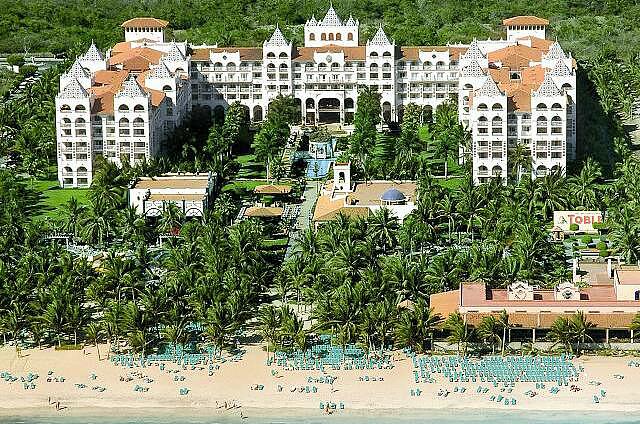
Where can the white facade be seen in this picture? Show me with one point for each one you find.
(110, 107)
(189, 192)
(325, 75)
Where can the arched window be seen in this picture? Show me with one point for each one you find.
(496, 171)
(374, 54)
(80, 108)
(123, 108)
(283, 55)
(80, 122)
(338, 36)
(482, 106)
(309, 104)
(468, 87)
(67, 170)
(283, 67)
(218, 66)
(386, 67)
(138, 127)
(566, 86)
(386, 54)
(124, 122)
(556, 106)
(335, 66)
(167, 88)
(541, 106)
(271, 55)
(496, 121)
(312, 37)
(271, 67)
(82, 170)
(330, 36)
(323, 37)
(138, 108)
(496, 106)
(541, 125)
(231, 66)
(123, 125)
(350, 36)
(66, 121)
(373, 67)
(65, 108)
(348, 103)
(637, 295)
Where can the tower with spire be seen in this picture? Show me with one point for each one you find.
(331, 30)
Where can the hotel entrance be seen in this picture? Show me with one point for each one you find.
(329, 111)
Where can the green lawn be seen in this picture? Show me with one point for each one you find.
(250, 168)
(52, 197)
(450, 183)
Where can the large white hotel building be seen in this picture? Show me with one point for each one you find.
(518, 90)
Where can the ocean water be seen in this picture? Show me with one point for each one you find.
(362, 417)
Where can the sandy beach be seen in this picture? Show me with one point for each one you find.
(234, 383)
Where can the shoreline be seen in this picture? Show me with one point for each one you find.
(282, 395)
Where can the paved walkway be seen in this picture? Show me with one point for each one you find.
(304, 218)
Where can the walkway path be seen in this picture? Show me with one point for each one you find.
(304, 218)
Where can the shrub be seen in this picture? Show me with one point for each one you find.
(604, 253)
(601, 246)
(574, 227)
(15, 60)
(586, 239)
(70, 347)
(28, 70)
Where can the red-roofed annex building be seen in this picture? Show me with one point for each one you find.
(514, 91)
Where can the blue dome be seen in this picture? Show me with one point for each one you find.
(393, 195)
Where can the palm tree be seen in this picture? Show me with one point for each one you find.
(171, 218)
(520, 160)
(460, 333)
(489, 330)
(582, 186)
(418, 325)
(383, 228)
(55, 317)
(551, 194)
(580, 327)
(93, 332)
(269, 321)
(503, 322)
(561, 332)
(72, 213)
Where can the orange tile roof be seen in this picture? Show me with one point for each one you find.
(305, 54)
(103, 102)
(525, 20)
(114, 78)
(538, 43)
(126, 58)
(123, 46)
(445, 303)
(145, 23)
(516, 57)
(246, 53)
(263, 212)
(272, 189)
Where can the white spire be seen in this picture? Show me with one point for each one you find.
(277, 38)
(331, 18)
(160, 71)
(77, 71)
(560, 69)
(312, 21)
(489, 88)
(131, 88)
(73, 90)
(473, 69)
(174, 55)
(473, 52)
(555, 52)
(380, 39)
(548, 88)
(350, 21)
(93, 53)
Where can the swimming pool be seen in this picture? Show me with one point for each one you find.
(322, 168)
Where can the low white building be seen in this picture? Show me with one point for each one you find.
(191, 193)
